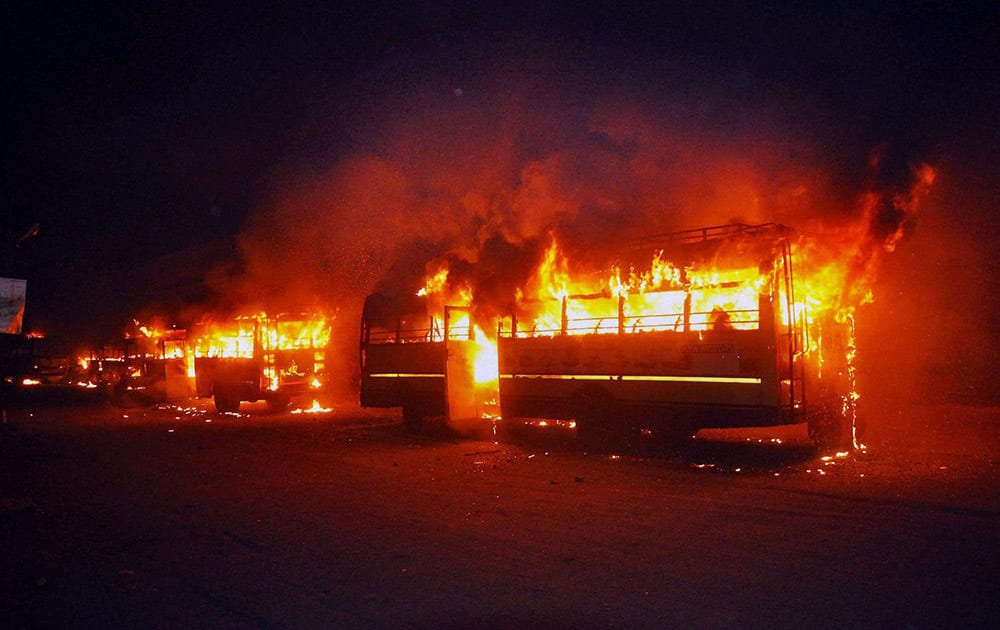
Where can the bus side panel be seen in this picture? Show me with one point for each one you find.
(204, 371)
(394, 374)
(714, 378)
(240, 375)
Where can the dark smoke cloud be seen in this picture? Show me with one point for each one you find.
(932, 334)
(448, 174)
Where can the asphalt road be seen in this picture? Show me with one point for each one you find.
(178, 517)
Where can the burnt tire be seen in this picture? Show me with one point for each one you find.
(673, 435)
(413, 418)
(119, 396)
(601, 428)
(830, 429)
(278, 403)
(589, 431)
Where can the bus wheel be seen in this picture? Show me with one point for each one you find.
(413, 418)
(226, 402)
(672, 435)
(598, 426)
(278, 403)
(829, 429)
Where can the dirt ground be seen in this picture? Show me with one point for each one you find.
(178, 517)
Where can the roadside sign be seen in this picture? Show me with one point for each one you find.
(12, 294)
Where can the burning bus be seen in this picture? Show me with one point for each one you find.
(715, 334)
(154, 366)
(719, 330)
(274, 358)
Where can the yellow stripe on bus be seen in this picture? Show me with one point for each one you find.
(405, 375)
(748, 380)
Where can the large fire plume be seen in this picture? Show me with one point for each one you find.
(496, 183)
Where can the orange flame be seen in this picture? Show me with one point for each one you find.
(654, 299)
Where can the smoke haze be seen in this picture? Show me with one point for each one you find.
(479, 175)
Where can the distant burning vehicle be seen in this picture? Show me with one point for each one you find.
(155, 366)
(51, 362)
(261, 357)
(718, 331)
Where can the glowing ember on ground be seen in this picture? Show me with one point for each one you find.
(315, 408)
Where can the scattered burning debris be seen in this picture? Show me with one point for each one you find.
(315, 407)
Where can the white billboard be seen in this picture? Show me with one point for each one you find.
(12, 292)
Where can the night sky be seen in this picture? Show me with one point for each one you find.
(164, 149)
